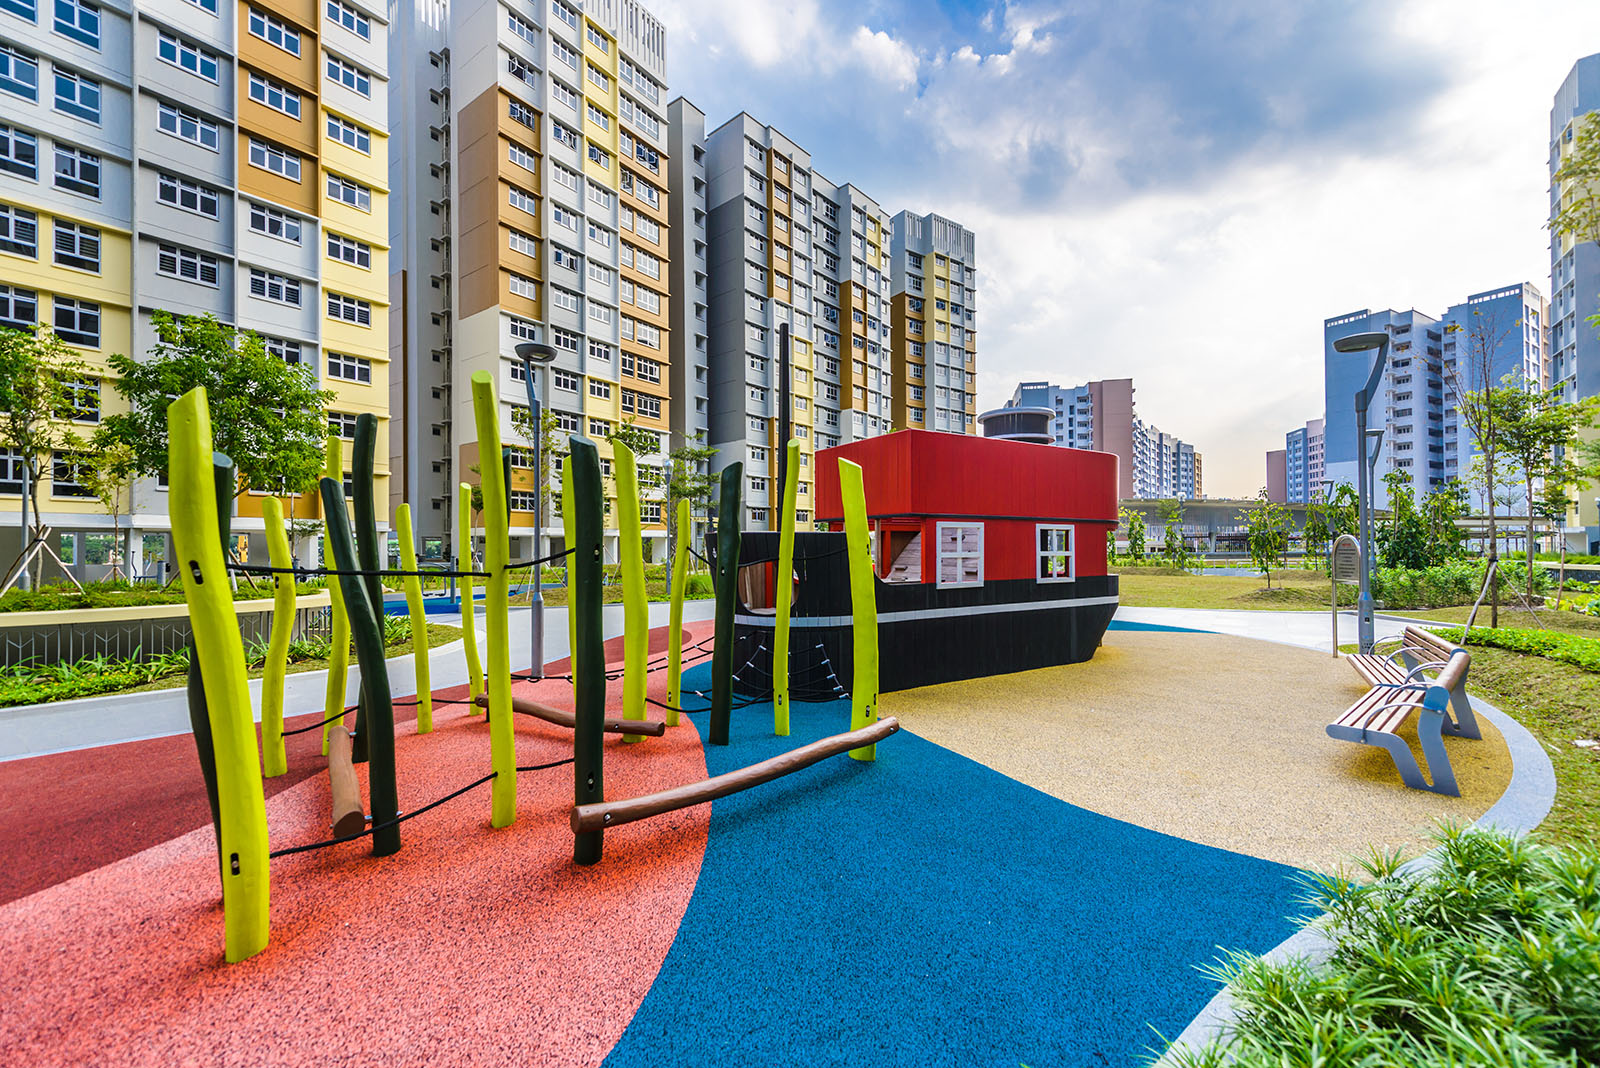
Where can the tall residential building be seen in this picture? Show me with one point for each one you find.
(1277, 476)
(540, 194)
(1574, 274)
(934, 331)
(201, 158)
(689, 383)
(1101, 415)
(1303, 450)
(852, 241)
(1430, 360)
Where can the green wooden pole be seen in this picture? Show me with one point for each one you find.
(570, 537)
(863, 607)
(730, 509)
(274, 761)
(469, 604)
(241, 808)
(368, 633)
(497, 602)
(680, 577)
(222, 480)
(368, 554)
(635, 605)
(419, 619)
(339, 619)
(784, 593)
(584, 598)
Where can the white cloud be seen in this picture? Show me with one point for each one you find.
(884, 57)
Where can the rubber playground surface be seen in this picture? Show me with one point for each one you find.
(1027, 874)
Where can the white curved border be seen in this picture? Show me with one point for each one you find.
(1523, 806)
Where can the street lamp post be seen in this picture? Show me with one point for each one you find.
(536, 355)
(1363, 343)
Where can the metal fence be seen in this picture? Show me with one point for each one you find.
(136, 639)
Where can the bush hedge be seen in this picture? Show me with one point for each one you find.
(1490, 959)
(1571, 649)
(1455, 583)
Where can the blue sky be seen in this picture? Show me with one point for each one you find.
(1180, 192)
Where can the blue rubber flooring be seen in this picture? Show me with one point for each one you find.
(926, 910)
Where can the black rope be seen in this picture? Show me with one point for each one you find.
(324, 723)
(437, 701)
(408, 815)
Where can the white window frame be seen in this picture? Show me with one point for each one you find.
(1070, 553)
(941, 555)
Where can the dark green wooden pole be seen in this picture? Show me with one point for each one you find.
(368, 635)
(589, 656)
(367, 551)
(730, 507)
(199, 711)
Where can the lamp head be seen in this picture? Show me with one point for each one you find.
(1360, 342)
(535, 352)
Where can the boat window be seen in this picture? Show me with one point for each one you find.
(960, 554)
(904, 556)
(1055, 559)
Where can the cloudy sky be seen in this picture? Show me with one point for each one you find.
(1176, 190)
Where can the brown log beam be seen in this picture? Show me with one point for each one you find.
(607, 814)
(348, 815)
(524, 707)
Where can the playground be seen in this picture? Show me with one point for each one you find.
(664, 848)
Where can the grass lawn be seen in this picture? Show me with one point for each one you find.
(1293, 589)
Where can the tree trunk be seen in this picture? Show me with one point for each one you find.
(1494, 540)
(1528, 489)
(1561, 575)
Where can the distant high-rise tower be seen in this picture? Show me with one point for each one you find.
(1100, 415)
(935, 334)
(1303, 459)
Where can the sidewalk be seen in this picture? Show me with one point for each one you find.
(1311, 630)
(62, 726)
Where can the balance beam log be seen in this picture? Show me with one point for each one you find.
(523, 707)
(348, 816)
(607, 814)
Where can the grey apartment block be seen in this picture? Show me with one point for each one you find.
(691, 393)
(1101, 415)
(1303, 449)
(934, 298)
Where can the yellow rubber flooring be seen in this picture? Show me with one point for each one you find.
(1208, 737)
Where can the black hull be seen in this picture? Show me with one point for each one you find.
(925, 635)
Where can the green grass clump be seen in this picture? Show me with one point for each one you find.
(1571, 649)
(1490, 959)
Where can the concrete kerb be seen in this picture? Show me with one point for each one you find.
(1521, 808)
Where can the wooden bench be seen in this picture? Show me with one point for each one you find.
(1376, 720)
(1407, 663)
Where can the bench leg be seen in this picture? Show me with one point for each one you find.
(1430, 725)
(1463, 723)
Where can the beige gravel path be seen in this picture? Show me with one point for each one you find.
(1208, 737)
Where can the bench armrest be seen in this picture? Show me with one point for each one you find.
(1374, 713)
(1416, 672)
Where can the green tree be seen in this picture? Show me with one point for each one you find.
(1402, 536)
(1440, 511)
(1267, 530)
(1578, 178)
(1539, 433)
(1172, 543)
(688, 479)
(266, 415)
(551, 450)
(40, 378)
(1133, 523)
(106, 470)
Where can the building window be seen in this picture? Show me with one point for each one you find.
(349, 250)
(284, 349)
(83, 400)
(599, 77)
(274, 32)
(186, 263)
(189, 57)
(521, 157)
(349, 368)
(19, 152)
(19, 74)
(960, 555)
(350, 19)
(79, 21)
(566, 340)
(274, 223)
(345, 191)
(275, 287)
(19, 232)
(78, 96)
(188, 126)
(19, 307)
(274, 159)
(1056, 561)
(523, 28)
(564, 13)
(77, 246)
(599, 428)
(565, 380)
(572, 424)
(349, 134)
(77, 171)
(270, 94)
(522, 113)
(599, 155)
(342, 425)
(349, 309)
(77, 322)
(66, 476)
(357, 81)
(599, 118)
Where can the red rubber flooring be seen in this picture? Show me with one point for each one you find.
(471, 946)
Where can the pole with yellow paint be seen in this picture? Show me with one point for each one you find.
(241, 801)
(339, 656)
(419, 618)
(469, 604)
(783, 593)
(863, 606)
(497, 600)
(635, 607)
(680, 577)
(274, 761)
